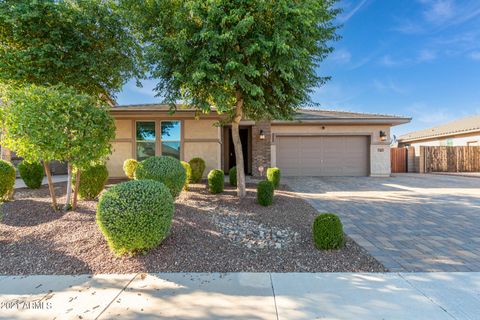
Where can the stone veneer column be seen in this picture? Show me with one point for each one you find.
(261, 148)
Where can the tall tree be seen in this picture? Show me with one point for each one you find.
(85, 44)
(255, 59)
(55, 123)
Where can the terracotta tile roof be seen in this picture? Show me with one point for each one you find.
(459, 126)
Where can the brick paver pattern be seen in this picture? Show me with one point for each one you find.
(409, 222)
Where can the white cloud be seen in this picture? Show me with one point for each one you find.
(426, 55)
(341, 56)
(388, 85)
(348, 14)
(475, 55)
(428, 115)
(438, 11)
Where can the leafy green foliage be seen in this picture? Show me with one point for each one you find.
(265, 190)
(232, 176)
(92, 181)
(198, 167)
(129, 167)
(7, 179)
(135, 216)
(165, 169)
(216, 181)
(55, 123)
(83, 44)
(31, 173)
(273, 175)
(328, 231)
(214, 53)
(188, 173)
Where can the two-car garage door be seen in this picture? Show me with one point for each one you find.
(323, 155)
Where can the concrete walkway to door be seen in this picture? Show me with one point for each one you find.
(409, 222)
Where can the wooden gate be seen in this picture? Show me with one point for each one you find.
(398, 158)
(452, 159)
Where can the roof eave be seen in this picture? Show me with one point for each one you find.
(387, 121)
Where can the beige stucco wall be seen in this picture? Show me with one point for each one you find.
(379, 150)
(200, 138)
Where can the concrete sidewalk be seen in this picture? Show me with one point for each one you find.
(243, 296)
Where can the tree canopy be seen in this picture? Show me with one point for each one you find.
(205, 52)
(86, 45)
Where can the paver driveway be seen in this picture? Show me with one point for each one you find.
(410, 222)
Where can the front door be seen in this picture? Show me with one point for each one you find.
(231, 160)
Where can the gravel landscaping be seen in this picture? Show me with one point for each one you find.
(210, 233)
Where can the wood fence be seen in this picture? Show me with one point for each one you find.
(451, 159)
(398, 159)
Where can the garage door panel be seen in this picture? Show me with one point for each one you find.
(323, 155)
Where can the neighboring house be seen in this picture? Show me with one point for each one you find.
(315, 143)
(461, 132)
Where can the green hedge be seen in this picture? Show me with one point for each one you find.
(216, 181)
(328, 231)
(265, 190)
(129, 167)
(273, 175)
(164, 169)
(198, 167)
(92, 181)
(7, 179)
(135, 216)
(232, 175)
(31, 173)
(188, 174)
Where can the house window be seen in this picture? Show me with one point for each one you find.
(145, 139)
(171, 138)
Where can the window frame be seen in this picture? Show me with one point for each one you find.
(158, 135)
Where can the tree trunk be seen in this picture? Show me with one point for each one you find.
(6, 154)
(75, 192)
(237, 143)
(50, 184)
(67, 205)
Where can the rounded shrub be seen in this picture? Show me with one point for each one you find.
(7, 179)
(216, 181)
(31, 173)
(273, 175)
(135, 216)
(92, 181)
(265, 190)
(166, 170)
(129, 167)
(232, 175)
(198, 167)
(328, 231)
(188, 174)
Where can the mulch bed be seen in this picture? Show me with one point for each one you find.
(34, 239)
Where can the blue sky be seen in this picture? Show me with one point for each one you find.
(418, 58)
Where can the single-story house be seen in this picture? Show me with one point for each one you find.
(315, 143)
(461, 132)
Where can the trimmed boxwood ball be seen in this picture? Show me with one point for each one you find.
(265, 190)
(166, 170)
(328, 231)
(7, 179)
(92, 181)
(232, 175)
(135, 216)
(188, 174)
(198, 167)
(31, 173)
(273, 175)
(216, 181)
(129, 167)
